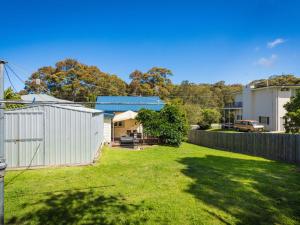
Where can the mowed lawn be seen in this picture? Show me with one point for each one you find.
(158, 185)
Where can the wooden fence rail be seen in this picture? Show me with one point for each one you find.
(283, 147)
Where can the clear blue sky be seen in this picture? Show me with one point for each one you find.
(200, 41)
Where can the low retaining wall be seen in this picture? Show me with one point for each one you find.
(284, 147)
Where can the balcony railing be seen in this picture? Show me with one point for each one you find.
(234, 105)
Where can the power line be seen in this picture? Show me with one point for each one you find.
(25, 71)
(16, 74)
(9, 79)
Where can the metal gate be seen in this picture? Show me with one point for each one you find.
(24, 139)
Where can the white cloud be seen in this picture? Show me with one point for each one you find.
(276, 42)
(267, 62)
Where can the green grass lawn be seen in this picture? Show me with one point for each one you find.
(159, 185)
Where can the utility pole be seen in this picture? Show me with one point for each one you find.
(2, 134)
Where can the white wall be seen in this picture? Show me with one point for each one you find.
(259, 102)
(107, 129)
(267, 102)
(70, 136)
(283, 98)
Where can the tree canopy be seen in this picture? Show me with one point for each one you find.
(206, 95)
(9, 94)
(155, 81)
(292, 116)
(277, 80)
(72, 80)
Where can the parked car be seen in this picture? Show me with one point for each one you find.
(248, 125)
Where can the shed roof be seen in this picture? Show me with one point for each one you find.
(78, 108)
(41, 98)
(126, 103)
(68, 107)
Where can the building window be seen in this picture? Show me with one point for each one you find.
(239, 117)
(264, 120)
(119, 124)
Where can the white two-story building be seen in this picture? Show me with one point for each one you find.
(264, 104)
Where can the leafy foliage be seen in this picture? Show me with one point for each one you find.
(276, 80)
(72, 80)
(209, 116)
(193, 113)
(169, 125)
(9, 94)
(292, 116)
(206, 95)
(155, 81)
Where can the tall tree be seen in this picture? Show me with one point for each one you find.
(155, 81)
(72, 80)
(206, 95)
(292, 116)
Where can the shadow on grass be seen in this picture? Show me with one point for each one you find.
(253, 192)
(80, 207)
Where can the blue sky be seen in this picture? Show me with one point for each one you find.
(200, 41)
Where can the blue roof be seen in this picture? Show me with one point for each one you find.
(125, 103)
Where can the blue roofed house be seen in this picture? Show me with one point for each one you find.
(120, 113)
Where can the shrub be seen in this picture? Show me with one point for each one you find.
(193, 113)
(292, 117)
(209, 116)
(169, 125)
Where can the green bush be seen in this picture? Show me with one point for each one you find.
(9, 94)
(209, 116)
(169, 125)
(292, 117)
(193, 113)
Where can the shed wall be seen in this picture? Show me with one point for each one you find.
(70, 136)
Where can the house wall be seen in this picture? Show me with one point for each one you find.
(107, 129)
(267, 102)
(70, 136)
(128, 125)
(260, 102)
(283, 98)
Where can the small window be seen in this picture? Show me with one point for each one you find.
(264, 120)
(239, 117)
(119, 124)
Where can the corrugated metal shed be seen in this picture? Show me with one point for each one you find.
(44, 135)
(125, 103)
(41, 97)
